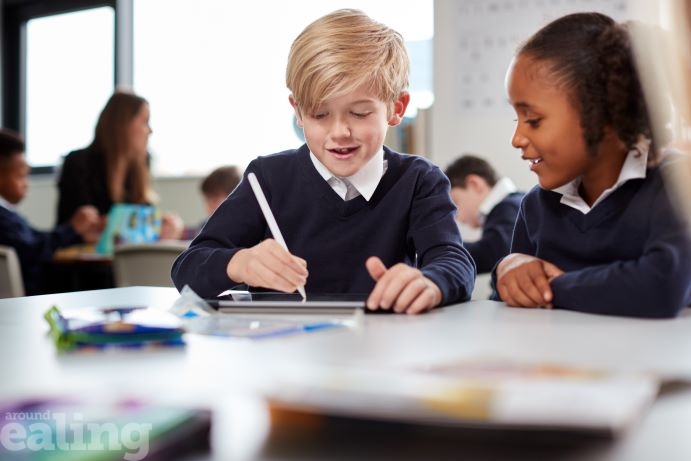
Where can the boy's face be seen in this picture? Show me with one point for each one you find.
(548, 129)
(211, 202)
(347, 131)
(14, 174)
(467, 200)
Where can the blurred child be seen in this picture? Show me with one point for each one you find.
(599, 234)
(484, 200)
(34, 247)
(362, 218)
(218, 185)
(215, 187)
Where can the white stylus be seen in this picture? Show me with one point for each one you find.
(270, 220)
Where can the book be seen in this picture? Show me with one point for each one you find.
(79, 429)
(119, 326)
(482, 394)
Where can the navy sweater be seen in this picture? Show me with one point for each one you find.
(630, 255)
(34, 248)
(497, 229)
(410, 218)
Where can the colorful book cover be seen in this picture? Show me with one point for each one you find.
(129, 223)
(115, 326)
(76, 430)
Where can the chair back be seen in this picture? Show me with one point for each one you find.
(11, 281)
(146, 264)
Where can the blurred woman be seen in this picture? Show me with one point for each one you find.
(114, 168)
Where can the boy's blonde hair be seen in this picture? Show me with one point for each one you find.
(341, 51)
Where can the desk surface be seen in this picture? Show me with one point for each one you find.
(80, 254)
(225, 373)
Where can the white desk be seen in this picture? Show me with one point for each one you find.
(225, 373)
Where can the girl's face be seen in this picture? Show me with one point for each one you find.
(140, 130)
(347, 131)
(548, 129)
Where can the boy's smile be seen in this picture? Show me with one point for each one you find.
(345, 132)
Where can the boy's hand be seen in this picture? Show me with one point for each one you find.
(401, 287)
(523, 280)
(88, 223)
(268, 265)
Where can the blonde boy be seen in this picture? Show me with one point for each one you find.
(357, 217)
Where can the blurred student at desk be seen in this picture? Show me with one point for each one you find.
(35, 248)
(114, 168)
(484, 200)
(215, 188)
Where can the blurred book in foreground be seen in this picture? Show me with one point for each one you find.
(481, 394)
(78, 430)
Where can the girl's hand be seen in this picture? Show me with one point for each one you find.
(523, 280)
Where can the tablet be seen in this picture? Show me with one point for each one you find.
(289, 303)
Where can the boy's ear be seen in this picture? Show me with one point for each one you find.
(297, 110)
(399, 107)
(476, 183)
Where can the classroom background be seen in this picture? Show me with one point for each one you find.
(214, 77)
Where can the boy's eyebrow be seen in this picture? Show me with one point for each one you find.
(354, 103)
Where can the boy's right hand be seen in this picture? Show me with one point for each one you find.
(268, 265)
(87, 223)
(523, 280)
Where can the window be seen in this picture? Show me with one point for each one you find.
(214, 74)
(69, 77)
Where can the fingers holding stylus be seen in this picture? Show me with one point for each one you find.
(268, 265)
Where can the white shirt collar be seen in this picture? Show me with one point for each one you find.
(365, 180)
(635, 167)
(501, 189)
(5, 204)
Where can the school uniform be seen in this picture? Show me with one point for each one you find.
(407, 217)
(34, 248)
(627, 254)
(497, 216)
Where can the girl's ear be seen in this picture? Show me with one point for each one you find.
(298, 115)
(399, 107)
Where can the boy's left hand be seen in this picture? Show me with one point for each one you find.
(401, 287)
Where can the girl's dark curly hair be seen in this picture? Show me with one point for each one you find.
(592, 57)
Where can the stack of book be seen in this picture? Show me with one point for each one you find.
(130, 327)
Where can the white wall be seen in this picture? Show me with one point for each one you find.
(474, 42)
